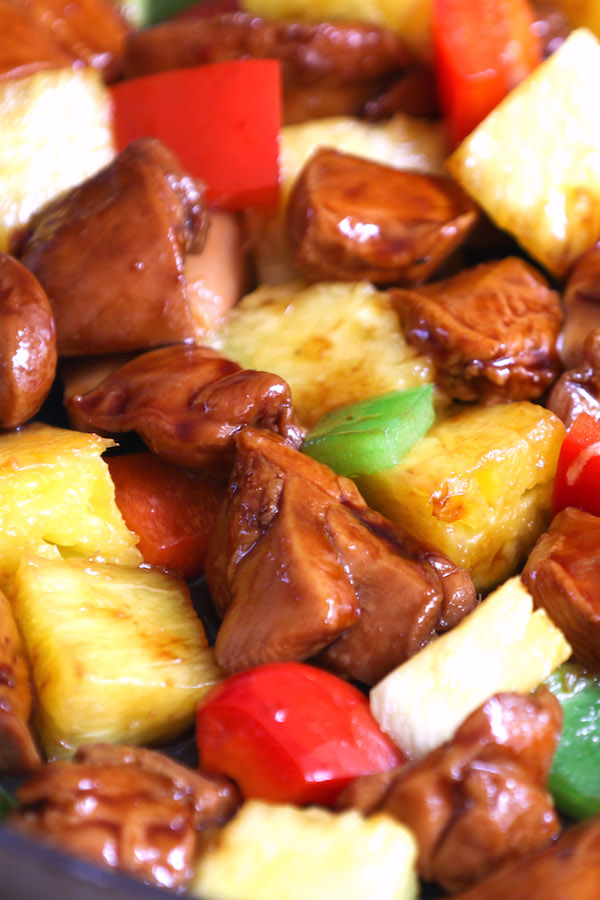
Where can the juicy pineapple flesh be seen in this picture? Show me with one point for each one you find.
(57, 499)
(334, 343)
(280, 852)
(117, 653)
(478, 486)
(503, 645)
(55, 131)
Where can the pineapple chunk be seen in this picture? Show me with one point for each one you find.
(280, 852)
(402, 142)
(55, 131)
(410, 18)
(534, 163)
(477, 486)
(334, 343)
(57, 498)
(117, 653)
(501, 646)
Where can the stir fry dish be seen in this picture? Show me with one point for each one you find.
(299, 445)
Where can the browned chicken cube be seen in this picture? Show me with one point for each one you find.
(567, 869)
(478, 801)
(110, 254)
(126, 808)
(298, 565)
(352, 219)
(581, 302)
(492, 331)
(18, 752)
(578, 389)
(561, 574)
(328, 68)
(187, 403)
(91, 31)
(26, 47)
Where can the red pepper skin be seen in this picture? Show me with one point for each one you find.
(172, 511)
(287, 732)
(577, 481)
(482, 49)
(221, 120)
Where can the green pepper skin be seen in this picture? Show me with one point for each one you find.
(373, 434)
(6, 802)
(575, 776)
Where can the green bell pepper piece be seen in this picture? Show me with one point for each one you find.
(373, 434)
(575, 776)
(7, 802)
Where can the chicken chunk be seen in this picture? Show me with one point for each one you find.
(582, 307)
(578, 389)
(18, 752)
(298, 565)
(562, 576)
(117, 242)
(328, 68)
(480, 800)
(26, 47)
(352, 219)
(187, 403)
(125, 808)
(27, 344)
(492, 330)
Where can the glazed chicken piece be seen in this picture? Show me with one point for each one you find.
(491, 331)
(328, 68)
(187, 403)
(18, 753)
(127, 808)
(578, 389)
(351, 219)
(110, 254)
(27, 344)
(298, 565)
(88, 31)
(26, 47)
(561, 574)
(478, 801)
(566, 869)
(582, 308)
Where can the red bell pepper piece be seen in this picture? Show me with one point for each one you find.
(221, 120)
(172, 511)
(483, 49)
(577, 481)
(287, 732)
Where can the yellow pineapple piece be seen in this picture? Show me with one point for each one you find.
(534, 163)
(402, 142)
(477, 486)
(503, 645)
(55, 131)
(117, 653)
(57, 498)
(334, 343)
(280, 852)
(410, 18)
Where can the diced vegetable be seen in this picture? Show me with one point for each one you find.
(55, 131)
(268, 852)
(503, 645)
(481, 52)
(288, 732)
(7, 802)
(334, 343)
(57, 498)
(534, 163)
(477, 486)
(221, 120)
(574, 777)
(372, 434)
(117, 653)
(141, 13)
(171, 510)
(577, 481)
